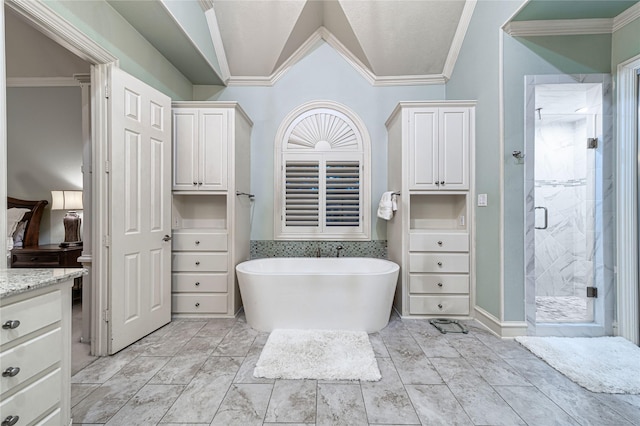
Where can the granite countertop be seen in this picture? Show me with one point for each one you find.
(19, 280)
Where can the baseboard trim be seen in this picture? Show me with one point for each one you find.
(500, 328)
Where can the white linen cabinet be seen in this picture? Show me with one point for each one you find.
(211, 207)
(431, 154)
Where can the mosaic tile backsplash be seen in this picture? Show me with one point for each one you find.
(270, 248)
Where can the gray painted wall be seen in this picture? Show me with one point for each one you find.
(44, 148)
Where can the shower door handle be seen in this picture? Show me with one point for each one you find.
(546, 217)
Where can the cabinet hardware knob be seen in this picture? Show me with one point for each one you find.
(197, 262)
(197, 284)
(439, 263)
(441, 182)
(195, 183)
(437, 183)
(10, 420)
(197, 304)
(439, 243)
(11, 324)
(199, 183)
(439, 284)
(440, 305)
(197, 242)
(11, 372)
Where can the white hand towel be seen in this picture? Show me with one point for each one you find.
(385, 208)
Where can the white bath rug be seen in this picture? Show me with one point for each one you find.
(318, 354)
(600, 364)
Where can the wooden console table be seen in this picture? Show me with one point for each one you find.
(46, 256)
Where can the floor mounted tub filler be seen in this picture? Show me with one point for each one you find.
(346, 293)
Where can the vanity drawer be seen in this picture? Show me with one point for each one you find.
(438, 305)
(439, 262)
(53, 419)
(33, 314)
(199, 241)
(34, 400)
(419, 241)
(198, 303)
(198, 283)
(438, 283)
(205, 262)
(31, 357)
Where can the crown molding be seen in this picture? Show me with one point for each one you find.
(626, 17)
(43, 82)
(458, 38)
(559, 27)
(322, 34)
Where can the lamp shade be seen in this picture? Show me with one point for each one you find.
(66, 200)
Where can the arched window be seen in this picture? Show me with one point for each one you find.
(322, 175)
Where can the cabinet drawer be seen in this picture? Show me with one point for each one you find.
(439, 305)
(199, 283)
(31, 357)
(198, 241)
(205, 262)
(434, 283)
(199, 303)
(33, 314)
(34, 400)
(439, 262)
(53, 419)
(438, 242)
(21, 260)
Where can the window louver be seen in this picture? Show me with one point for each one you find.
(302, 193)
(342, 205)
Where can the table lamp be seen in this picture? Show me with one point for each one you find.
(72, 202)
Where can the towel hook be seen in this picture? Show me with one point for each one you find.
(251, 196)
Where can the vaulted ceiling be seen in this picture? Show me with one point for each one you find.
(255, 41)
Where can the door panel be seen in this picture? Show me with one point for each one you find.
(423, 149)
(454, 149)
(140, 189)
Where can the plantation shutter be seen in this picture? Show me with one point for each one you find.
(342, 202)
(302, 193)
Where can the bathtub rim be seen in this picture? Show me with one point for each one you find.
(391, 267)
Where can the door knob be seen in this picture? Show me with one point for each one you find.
(166, 238)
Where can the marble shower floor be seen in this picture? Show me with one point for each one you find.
(200, 372)
(562, 309)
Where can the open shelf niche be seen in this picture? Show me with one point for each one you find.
(199, 211)
(438, 212)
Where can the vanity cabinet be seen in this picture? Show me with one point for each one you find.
(210, 220)
(438, 145)
(35, 355)
(431, 234)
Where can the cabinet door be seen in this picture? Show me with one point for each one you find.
(214, 139)
(423, 148)
(185, 149)
(453, 162)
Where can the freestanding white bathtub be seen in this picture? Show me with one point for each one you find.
(346, 293)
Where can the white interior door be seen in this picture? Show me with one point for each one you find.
(140, 223)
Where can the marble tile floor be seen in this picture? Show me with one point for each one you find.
(199, 372)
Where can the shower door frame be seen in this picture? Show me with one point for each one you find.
(603, 276)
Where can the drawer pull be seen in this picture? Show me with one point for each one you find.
(439, 263)
(440, 305)
(197, 262)
(197, 304)
(197, 242)
(197, 284)
(439, 243)
(10, 420)
(11, 372)
(11, 324)
(439, 284)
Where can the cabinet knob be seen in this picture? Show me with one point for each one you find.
(440, 305)
(199, 183)
(197, 242)
(438, 183)
(11, 372)
(439, 263)
(439, 243)
(197, 262)
(197, 284)
(441, 182)
(439, 284)
(195, 183)
(197, 304)
(11, 324)
(10, 420)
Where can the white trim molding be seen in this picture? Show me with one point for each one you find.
(500, 328)
(557, 27)
(458, 38)
(627, 201)
(42, 82)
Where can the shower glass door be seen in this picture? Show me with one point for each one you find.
(566, 128)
